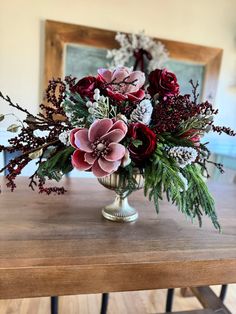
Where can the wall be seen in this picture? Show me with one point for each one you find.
(207, 22)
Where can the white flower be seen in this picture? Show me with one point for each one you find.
(96, 95)
(89, 104)
(143, 112)
(91, 110)
(64, 137)
(102, 99)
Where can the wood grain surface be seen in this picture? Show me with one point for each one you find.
(61, 245)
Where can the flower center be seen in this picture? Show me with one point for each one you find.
(100, 148)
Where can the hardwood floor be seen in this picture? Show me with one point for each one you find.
(138, 302)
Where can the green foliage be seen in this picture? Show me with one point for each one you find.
(137, 143)
(75, 107)
(198, 123)
(127, 179)
(198, 197)
(163, 175)
(57, 165)
(174, 140)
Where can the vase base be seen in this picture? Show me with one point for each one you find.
(118, 215)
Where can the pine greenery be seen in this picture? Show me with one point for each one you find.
(78, 114)
(162, 175)
(57, 165)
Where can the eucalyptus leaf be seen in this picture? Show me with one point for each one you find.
(13, 128)
(36, 154)
(2, 117)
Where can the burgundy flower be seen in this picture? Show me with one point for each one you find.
(125, 90)
(192, 135)
(143, 142)
(163, 83)
(86, 86)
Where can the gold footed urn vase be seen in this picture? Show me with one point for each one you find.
(120, 210)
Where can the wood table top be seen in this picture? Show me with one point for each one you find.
(60, 245)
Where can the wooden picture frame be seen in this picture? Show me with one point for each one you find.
(59, 34)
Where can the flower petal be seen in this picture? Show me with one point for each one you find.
(117, 152)
(139, 95)
(90, 158)
(120, 73)
(120, 125)
(109, 166)
(139, 79)
(116, 95)
(78, 161)
(105, 74)
(114, 136)
(72, 136)
(82, 142)
(97, 170)
(99, 128)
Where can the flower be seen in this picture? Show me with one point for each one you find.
(143, 112)
(163, 83)
(122, 83)
(193, 136)
(86, 86)
(143, 142)
(98, 148)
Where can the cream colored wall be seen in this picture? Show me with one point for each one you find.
(207, 22)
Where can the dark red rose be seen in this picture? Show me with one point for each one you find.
(86, 86)
(193, 135)
(143, 142)
(163, 83)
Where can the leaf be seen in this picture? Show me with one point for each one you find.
(57, 165)
(13, 128)
(36, 154)
(137, 143)
(2, 117)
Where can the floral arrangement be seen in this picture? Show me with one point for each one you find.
(119, 121)
(147, 53)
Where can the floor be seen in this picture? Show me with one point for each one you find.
(139, 302)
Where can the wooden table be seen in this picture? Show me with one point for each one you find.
(61, 245)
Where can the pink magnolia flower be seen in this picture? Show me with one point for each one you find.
(98, 148)
(123, 91)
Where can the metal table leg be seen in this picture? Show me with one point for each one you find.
(169, 300)
(105, 299)
(223, 292)
(54, 305)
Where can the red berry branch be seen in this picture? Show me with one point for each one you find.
(49, 123)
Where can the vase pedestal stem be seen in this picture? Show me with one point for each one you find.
(120, 210)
